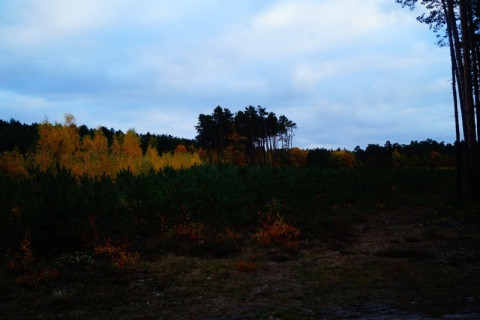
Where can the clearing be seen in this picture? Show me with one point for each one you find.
(401, 263)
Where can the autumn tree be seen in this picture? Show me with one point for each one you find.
(151, 157)
(180, 149)
(58, 145)
(297, 157)
(342, 159)
(13, 163)
(96, 157)
(130, 153)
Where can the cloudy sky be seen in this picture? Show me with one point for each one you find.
(348, 73)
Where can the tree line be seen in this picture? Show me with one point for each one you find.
(48, 147)
(14, 134)
(457, 25)
(418, 154)
(104, 152)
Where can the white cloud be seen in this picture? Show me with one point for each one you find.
(305, 26)
(51, 20)
(346, 71)
(12, 101)
(29, 108)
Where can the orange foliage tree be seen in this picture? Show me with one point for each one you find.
(342, 159)
(13, 163)
(298, 157)
(58, 145)
(180, 149)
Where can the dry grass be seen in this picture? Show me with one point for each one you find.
(377, 266)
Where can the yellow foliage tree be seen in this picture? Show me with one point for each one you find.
(179, 160)
(131, 144)
(58, 145)
(96, 157)
(151, 160)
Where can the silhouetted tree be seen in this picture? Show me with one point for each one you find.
(319, 157)
(259, 130)
(459, 21)
(14, 134)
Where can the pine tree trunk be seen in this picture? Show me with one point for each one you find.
(468, 97)
(455, 101)
(459, 64)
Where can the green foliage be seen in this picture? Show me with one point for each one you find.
(13, 135)
(63, 213)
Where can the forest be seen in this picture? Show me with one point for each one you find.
(62, 181)
(261, 140)
(81, 200)
(57, 177)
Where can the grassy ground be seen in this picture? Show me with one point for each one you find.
(390, 262)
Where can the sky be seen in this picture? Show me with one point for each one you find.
(348, 73)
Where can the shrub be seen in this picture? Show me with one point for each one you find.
(188, 230)
(275, 231)
(118, 255)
